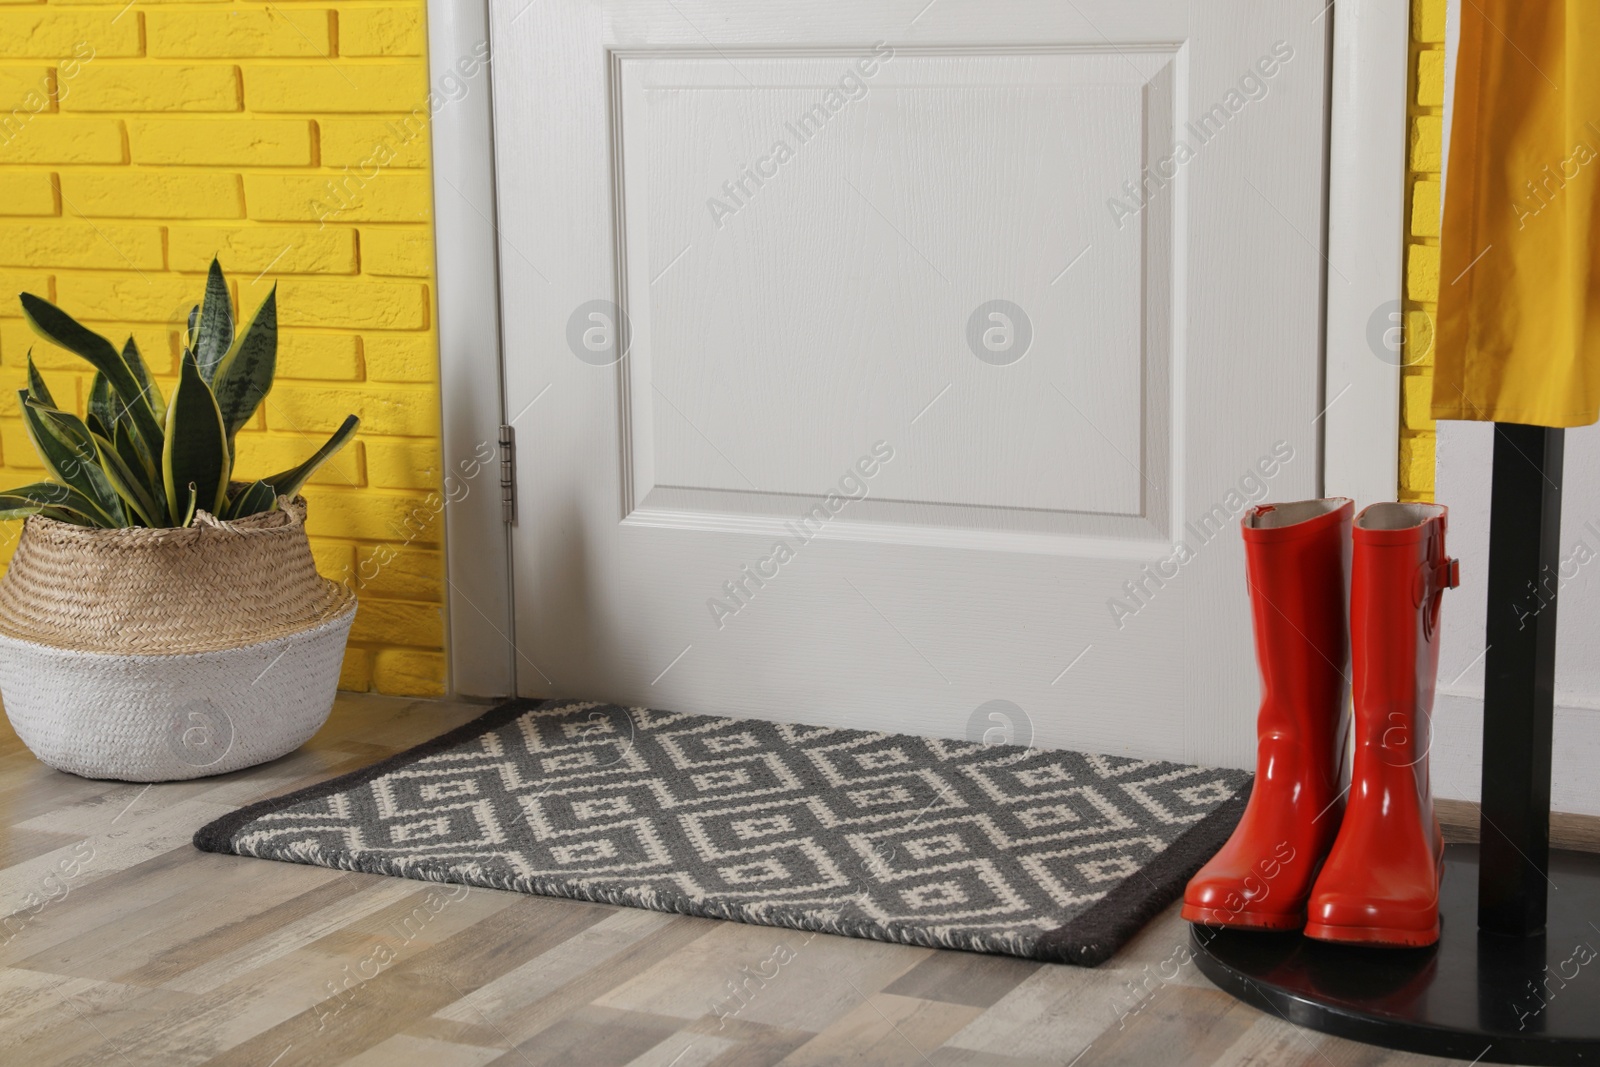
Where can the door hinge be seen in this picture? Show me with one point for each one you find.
(508, 475)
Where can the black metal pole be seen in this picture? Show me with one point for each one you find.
(1519, 683)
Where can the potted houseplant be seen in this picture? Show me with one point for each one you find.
(160, 619)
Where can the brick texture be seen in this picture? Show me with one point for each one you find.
(55, 139)
(273, 31)
(221, 142)
(141, 86)
(56, 32)
(27, 192)
(25, 87)
(1427, 21)
(1426, 98)
(382, 31)
(313, 88)
(290, 139)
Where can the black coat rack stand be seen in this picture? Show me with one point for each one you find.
(1515, 977)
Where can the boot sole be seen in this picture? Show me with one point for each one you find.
(1381, 936)
(1241, 920)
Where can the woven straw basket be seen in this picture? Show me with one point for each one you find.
(158, 654)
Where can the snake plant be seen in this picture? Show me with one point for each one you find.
(134, 460)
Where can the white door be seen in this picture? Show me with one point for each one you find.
(955, 337)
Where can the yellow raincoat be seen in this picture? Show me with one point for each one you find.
(1518, 336)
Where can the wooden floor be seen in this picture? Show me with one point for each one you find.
(124, 945)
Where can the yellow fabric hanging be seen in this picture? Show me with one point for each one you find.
(1518, 336)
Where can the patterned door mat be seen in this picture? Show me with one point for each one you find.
(1049, 855)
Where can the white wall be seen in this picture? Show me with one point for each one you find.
(1462, 482)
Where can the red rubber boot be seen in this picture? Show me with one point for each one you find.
(1297, 558)
(1380, 885)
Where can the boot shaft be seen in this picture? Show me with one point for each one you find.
(1399, 574)
(1297, 562)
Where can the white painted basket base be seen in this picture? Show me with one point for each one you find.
(162, 718)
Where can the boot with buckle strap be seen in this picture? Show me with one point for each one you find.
(1380, 884)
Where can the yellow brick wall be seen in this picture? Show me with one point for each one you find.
(139, 139)
(1426, 108)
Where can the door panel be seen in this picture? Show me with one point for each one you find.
(967, 157)
(873, 366)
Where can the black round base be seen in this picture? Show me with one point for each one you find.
(1472, 996)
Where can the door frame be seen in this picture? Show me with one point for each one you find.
(1364, 241)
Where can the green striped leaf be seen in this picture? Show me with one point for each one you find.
(64, 515)
(141, 375)
(213, 334)
(122, 440)
(245, 376)
(288, 483)
(56, 326)
(149, 457)
(67, 451)
(189, 495)
(36, 387)
(130, 485)
(252, 499)
(48, 498)
(102, 405)
(194, 458)
(84, 473)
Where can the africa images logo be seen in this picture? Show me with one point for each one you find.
(852, 485)
(1210, 524)
(199, 733)
(1253, 84)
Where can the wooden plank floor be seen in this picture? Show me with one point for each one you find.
(123, 945)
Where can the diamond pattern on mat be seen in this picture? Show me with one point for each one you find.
(921, 840)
